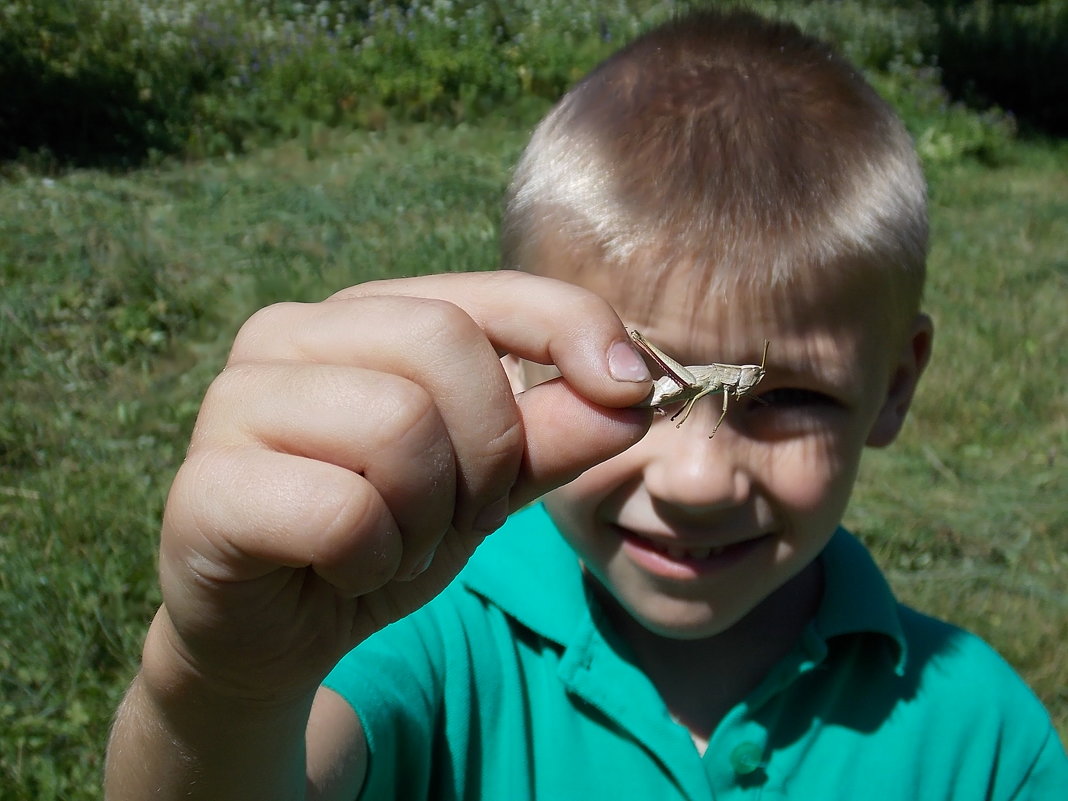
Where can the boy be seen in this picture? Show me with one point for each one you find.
(681, 617)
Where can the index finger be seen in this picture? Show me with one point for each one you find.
(540, 319)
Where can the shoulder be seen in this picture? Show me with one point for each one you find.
(962, 691)
(945, 702)
(935, 661)
(955, 663)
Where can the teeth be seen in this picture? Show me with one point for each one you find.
(678, 552)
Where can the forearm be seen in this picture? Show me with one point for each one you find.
(171, 740)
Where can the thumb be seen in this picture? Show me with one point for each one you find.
(567, 434)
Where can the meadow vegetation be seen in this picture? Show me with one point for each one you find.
(123, 82)
(284, 150)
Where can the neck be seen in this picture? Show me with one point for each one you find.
(701, 680)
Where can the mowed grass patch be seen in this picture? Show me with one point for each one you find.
(121, 294)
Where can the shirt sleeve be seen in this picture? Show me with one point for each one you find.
(393, 681)
(1047, 780)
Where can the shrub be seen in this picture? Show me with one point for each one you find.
(896, 45)
(118, 82)
(74, 84)
(1013, 54)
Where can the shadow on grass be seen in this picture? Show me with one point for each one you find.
(1010, 54)
(93, 118)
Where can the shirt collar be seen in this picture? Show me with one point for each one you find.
(530, 572)
(857, 598)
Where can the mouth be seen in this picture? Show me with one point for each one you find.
(678, 558)
(681, 553)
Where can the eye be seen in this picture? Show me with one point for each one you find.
(795, 398)
(786, 412)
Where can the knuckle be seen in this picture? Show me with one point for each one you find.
(586, 306)
(500, 458)
(512, 280)
(410, 410)
(263, 324)
(446, 325)
(359, 510)
(232, 383)
(225, 408)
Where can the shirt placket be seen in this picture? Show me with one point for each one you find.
(739, 761)
(598, 675)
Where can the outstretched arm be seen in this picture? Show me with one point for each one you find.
(343, 468)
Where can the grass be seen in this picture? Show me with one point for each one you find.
(119, 298)
(967, 511)
(121, 293)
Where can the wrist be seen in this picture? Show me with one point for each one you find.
(181, 689)
(181, 735)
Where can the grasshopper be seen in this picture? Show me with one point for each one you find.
(688, 385)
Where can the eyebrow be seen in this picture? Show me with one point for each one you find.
(807, 367)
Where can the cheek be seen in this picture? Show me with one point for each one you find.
(595, 494)
(813, 475)
(574, 509)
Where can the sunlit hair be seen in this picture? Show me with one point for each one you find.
(727, 141)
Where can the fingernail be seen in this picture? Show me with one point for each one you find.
(492, 517)
(422, 567)
(624, 364)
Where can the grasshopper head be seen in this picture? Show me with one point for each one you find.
(749, 375)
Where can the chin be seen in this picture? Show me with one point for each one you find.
(688, 624)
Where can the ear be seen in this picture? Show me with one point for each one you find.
(910, 364)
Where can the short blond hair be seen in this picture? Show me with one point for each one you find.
(725, 140)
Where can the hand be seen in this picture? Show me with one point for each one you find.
(350, 443)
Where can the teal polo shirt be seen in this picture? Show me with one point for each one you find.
(510, 686)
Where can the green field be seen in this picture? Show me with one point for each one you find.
(120, 293)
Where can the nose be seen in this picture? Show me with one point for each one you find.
(693, 473)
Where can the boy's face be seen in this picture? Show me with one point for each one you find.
(690, 534)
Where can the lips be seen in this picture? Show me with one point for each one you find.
(680, 552)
